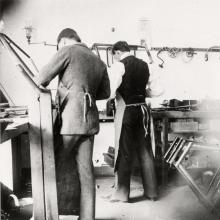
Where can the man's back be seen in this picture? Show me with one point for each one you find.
(135, 79)
(83, 79)
(84, 71)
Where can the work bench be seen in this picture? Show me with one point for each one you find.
(13, 131)
(165, 117)
(38, 127)
(40, 133)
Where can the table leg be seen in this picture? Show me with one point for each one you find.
(165, 128)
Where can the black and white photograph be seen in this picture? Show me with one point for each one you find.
(109, 110)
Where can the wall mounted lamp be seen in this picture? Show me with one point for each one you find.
(28, 33)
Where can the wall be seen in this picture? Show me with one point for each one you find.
(174, 23)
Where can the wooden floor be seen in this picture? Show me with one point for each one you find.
(175, 203)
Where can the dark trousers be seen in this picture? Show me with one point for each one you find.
(80, 149)
(133, 139)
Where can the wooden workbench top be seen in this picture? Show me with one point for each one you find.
(185, 114)
(18, 126)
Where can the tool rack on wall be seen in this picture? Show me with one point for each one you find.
(172, 51)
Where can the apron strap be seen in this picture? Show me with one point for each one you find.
(85, 106)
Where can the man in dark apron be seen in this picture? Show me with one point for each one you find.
(129, 78)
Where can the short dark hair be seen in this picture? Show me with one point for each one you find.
(120, 45)
(68, 33)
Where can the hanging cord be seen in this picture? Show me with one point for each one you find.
(86, 95)
(158, 53)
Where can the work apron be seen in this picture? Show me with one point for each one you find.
(120, 106)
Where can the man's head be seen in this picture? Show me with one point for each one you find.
(67, 37)
(120, 48)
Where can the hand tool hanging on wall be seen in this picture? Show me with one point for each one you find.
(189, 53)
(173, 52)
(107, 47)
(158, 53)
(210, 49)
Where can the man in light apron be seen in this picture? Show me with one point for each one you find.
(129, 78)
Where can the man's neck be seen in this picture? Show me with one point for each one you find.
(71, 42)
(125, 54)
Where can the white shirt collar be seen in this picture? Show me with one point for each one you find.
(126, 54)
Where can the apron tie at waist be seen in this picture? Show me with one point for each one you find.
(145, 114)
(145, 118)
(86, 95)
(136, 104)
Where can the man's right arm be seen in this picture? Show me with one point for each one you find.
(116, 73)
(57, 64)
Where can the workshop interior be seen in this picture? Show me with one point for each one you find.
(180, 42)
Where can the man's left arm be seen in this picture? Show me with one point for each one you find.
(154, 87)
(104, 87)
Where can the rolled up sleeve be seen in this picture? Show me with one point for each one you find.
(116, 73)
(154, 87)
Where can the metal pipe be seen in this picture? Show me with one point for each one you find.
(148, 53)
(183, 154)
(10, 41)
(179, 148)
(210, 190)
(197, 190)
(20, 63)
(170, 148)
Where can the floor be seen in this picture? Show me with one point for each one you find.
(175, 203)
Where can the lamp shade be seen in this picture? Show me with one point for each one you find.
(144, 31)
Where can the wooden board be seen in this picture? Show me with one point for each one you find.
(50, 189)
(36, 160)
